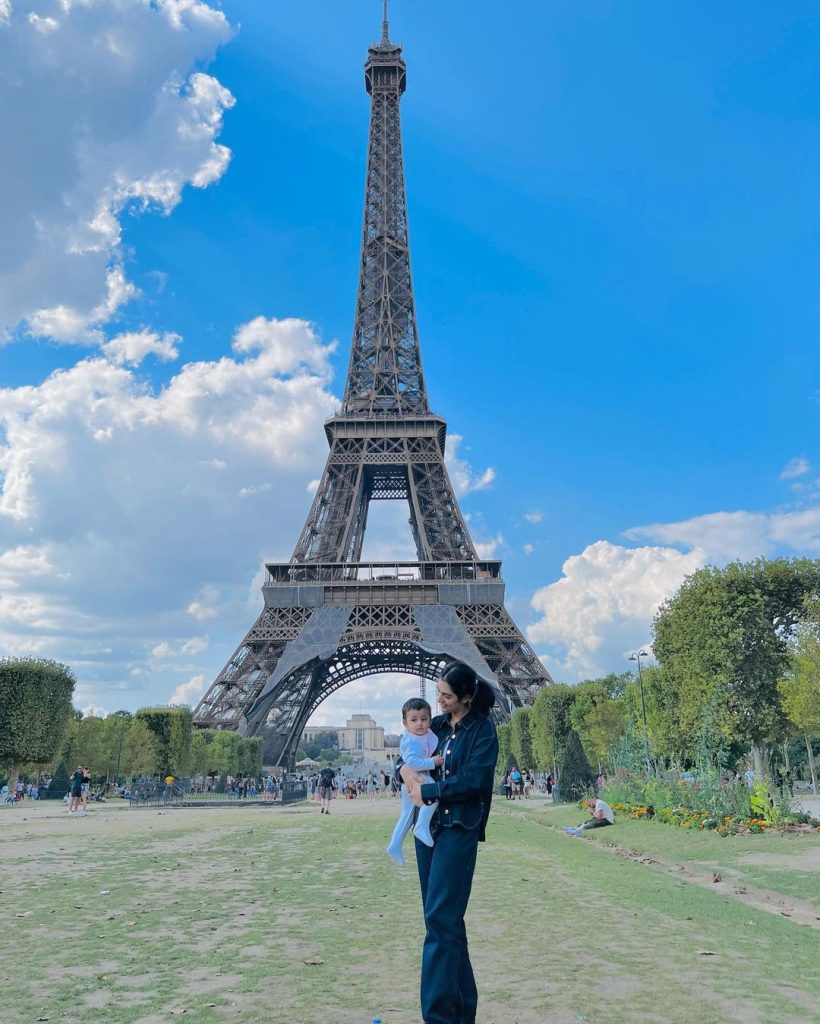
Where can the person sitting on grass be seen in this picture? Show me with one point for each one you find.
(602, 815)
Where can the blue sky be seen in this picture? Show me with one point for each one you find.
(614, 212)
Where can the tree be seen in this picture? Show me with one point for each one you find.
(520, 740)
(800, 688)
(504, 748)
(576, 774)
(722, 643)
(549, 725)
(139, 749)
(35, 704)
(598, 714)
(59, 785)
(172, 729)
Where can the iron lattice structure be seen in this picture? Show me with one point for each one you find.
(330, 618)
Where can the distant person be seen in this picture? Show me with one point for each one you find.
(602, 815)
(550, 783)
(417, 748)
(76, 790)
(517, 781)
(326, 779)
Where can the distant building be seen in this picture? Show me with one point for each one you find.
(361, 738)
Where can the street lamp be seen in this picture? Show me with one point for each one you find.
(636, 656)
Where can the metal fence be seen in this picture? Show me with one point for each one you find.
(181, 794)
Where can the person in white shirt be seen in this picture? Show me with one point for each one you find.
(602, 815)
(417, 749)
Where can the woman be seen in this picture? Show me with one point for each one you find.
(469, 746)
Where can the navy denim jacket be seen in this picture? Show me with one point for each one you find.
(464, 786)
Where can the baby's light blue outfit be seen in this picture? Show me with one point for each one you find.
(417, 753)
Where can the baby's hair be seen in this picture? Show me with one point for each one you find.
(415, 704)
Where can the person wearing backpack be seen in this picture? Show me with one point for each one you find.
(326, 777)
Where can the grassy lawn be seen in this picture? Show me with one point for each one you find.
(140, 917)
(782, 862)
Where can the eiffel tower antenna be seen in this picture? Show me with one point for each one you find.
(328, 617)
(385, 26)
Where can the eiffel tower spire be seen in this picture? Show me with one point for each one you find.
(385, 374)
(328, 617)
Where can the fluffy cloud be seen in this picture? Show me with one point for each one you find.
(133, 347)
(108, 114)
(740, 535)
(795, 467)
(602, 606)
(131, 496)
(464, 478)
(188, 693)
(534, 517)
(605, 601)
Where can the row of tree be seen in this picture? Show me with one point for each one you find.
(39, 729)
(738, 673)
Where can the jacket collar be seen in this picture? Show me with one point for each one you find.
(467, 722)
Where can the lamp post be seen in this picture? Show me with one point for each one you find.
(636, 656)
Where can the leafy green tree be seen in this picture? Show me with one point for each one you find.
(251, 755)
(60, 783)
(576, 776)
(90, 745)
(722, 643)
(598, 714)
(800, 688)
(550, 725)
(504, 747)
(35, 704)
(173, 731)
(139, 749)
(520, 740)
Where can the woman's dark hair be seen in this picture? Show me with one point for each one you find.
(463, 681)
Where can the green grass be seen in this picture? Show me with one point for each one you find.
(782, 862)
(214, 913)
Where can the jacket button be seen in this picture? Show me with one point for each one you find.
(447, 772)
(446, 812)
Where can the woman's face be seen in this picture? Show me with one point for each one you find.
(448, 702)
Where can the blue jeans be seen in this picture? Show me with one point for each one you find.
(448, 990)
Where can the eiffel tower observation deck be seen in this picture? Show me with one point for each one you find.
(329, 617)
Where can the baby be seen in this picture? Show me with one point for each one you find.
(416, 747)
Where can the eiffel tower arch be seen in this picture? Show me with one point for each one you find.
(329, 617)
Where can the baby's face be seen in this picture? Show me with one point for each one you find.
(417, 722)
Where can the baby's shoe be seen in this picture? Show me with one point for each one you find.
(422, 833)
(396, 854)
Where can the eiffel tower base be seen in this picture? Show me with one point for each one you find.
(410, 618)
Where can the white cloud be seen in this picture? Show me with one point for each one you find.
(195, 645)
(204, 605)
(602, 606)
(534, 517)
(488, 547)
(109, 114)
(461, 472)
(795, 467)
(190, 692)
(528, 549)
(131, 348)
(726, 536)
(115, 528)
(162, 650)
(605, 601)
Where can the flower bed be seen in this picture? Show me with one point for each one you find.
(683, 817)
(708, 802)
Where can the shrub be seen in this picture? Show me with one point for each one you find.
(576, 778)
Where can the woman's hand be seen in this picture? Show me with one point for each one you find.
(409, 776)
(414, 793)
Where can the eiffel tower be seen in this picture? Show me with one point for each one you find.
(330, 618)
